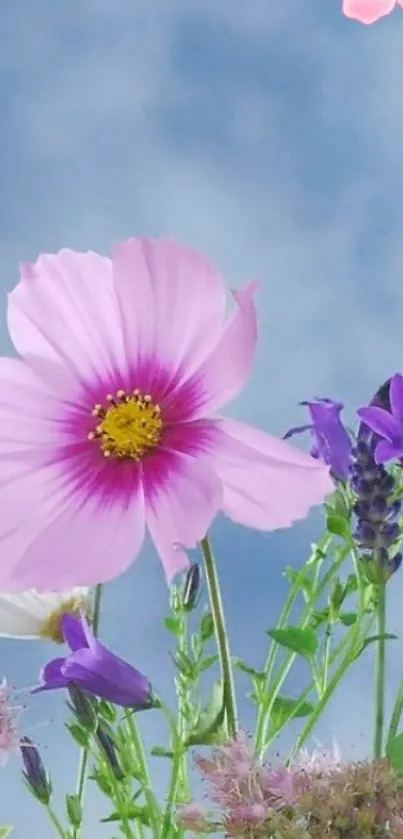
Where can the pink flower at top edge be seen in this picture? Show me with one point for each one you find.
(110, 423)
(369, 11)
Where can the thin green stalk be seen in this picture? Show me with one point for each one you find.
(84, 754)
(308, 691)
(355, 640)
(179, 761)
(118, 801)
(264, 712)
(221, 637)
(325, 670)
(125, 824)
(380, 671)
(395, 716)
(151, 800)
(53, 817)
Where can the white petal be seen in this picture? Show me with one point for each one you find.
(23, 615)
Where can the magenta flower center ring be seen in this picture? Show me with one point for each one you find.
(130, 426)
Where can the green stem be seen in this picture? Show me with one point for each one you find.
(55, 821)
(307, 692)
(179, 769)
(84, 754)
(354, 642)
(264, 712)
(395, 716)
(325, 672)
(221, 637)
(380, 672)
(153, 809)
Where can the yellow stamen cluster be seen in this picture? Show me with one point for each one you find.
(52, 626)
(130, 426)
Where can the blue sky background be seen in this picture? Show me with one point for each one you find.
(269, 136)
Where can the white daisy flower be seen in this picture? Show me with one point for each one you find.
(32, 614)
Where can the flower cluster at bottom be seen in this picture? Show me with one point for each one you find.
(313, 797)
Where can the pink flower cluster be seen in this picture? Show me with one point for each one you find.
(9, 731)
(315, 795)
(243, 792)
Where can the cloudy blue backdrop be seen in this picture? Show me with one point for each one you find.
(269, 135)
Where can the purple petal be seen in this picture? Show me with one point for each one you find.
(74, 632)
(386, 451)
(382, 422)
(299, 429)
(52, 676)
(396, 396)
(104, 674)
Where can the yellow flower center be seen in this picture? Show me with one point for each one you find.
(129, 427)
(52, 627)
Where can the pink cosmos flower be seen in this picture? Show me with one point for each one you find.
(369, 11)
(109, 423)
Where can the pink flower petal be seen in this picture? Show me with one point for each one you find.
(32, 411)
(182, 497)
(172, 301)
(228, 366)
(368, 11)
(267, 483)
(84, 541)
(64, 309)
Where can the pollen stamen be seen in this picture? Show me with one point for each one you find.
(131, 425)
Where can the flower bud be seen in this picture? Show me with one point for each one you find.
(35, 775)
(110, 751)
(84, 707)
(191, 587)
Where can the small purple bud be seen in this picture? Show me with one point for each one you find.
(365, 534)
(390, 532)
(191, 587)
(35, 774)
(84, 706)
(110, 751)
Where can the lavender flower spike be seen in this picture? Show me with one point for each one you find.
(388, 425)
(376, 506)
(95, 669)
(332, 444)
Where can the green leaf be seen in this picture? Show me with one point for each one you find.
(173, 624)
(159, 751)
(107, 711)
(74, 810)
(351, 584)
(207, 662)
(339, 526)
(245, 668)
(210, 720)
(103, 782)
(285, 708)
(207, 627)
(302, 641)
(185, 665)
(348, 618)
(319, 617)
(79, 734)
(5, 831)
(305, 580)
(394, 751)
(131, 812)
(372, 639)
